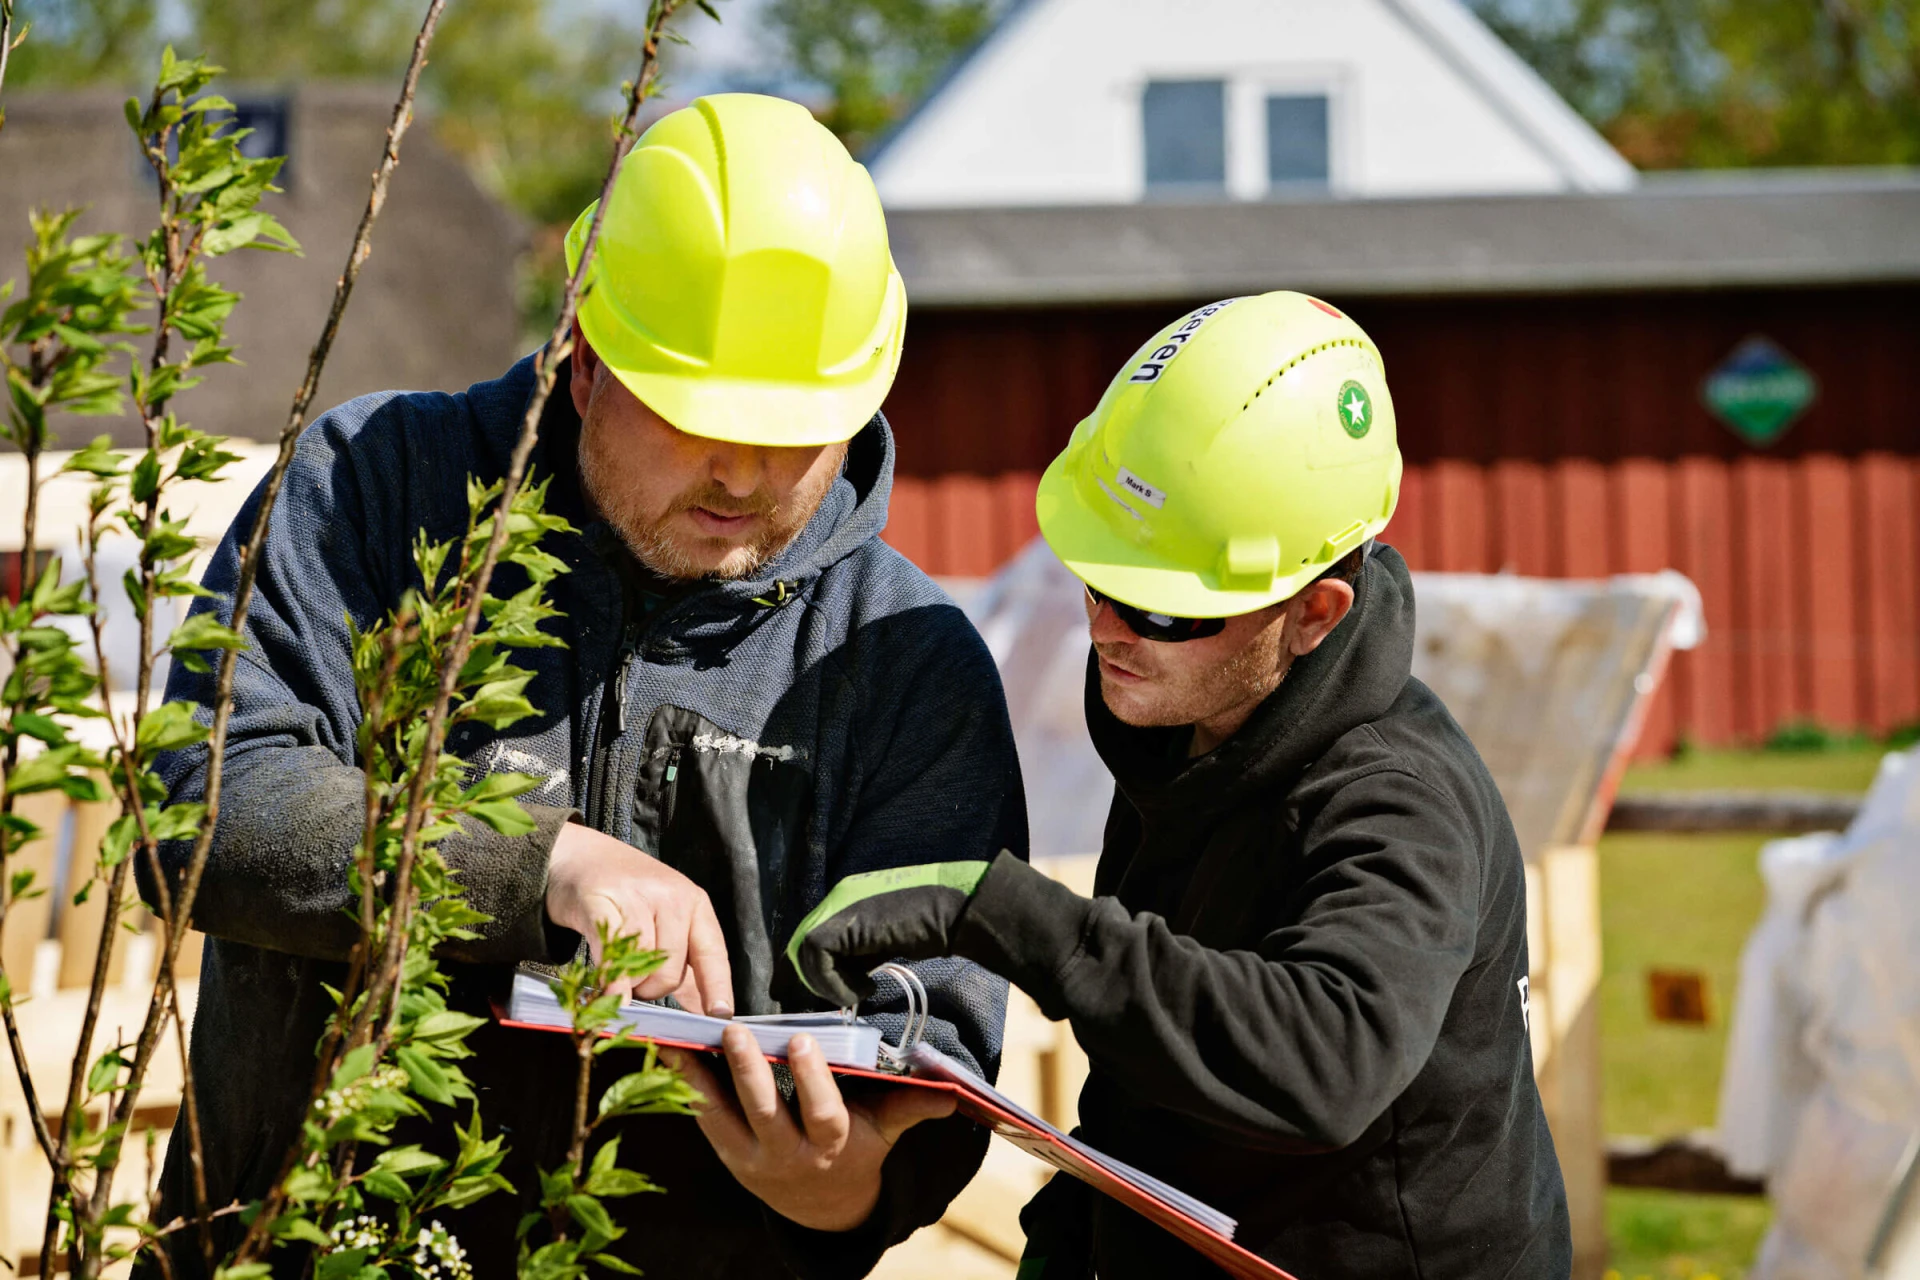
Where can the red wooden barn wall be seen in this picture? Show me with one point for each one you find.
(1555, 436)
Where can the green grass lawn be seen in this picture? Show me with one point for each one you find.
(1687, 902)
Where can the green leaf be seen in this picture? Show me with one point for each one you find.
(424, 1075)
(35, 725)
(97, 459)
(504, 816)
(169, 727)
(445, 1025)
(204, 631)
(408, 1160)
(53, 770)
(593, 1218)
(105, 1072)
(606, 1178)
(300, 1227)
(612, 1263)
(388, 1186)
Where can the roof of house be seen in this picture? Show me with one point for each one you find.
(1569, 146)
(1746, 228)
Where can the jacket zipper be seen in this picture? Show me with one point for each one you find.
(617, 678)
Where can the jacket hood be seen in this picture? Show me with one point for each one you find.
(853, 512)
(1353, 677)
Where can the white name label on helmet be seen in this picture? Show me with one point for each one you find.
(1140, 489)
(1161, 356)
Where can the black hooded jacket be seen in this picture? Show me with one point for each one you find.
(1301, 984)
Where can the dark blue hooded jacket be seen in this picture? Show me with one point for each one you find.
(835, 714)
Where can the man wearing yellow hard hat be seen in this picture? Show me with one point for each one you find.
(1302, 986)
(756, 698)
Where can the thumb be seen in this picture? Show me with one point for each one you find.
(901, 1108)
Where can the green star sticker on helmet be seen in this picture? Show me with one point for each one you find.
(1356, 409)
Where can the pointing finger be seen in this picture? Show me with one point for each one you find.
(707, 957)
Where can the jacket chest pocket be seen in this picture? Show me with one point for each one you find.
(731, 815)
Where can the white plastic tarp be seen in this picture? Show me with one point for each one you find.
(1821, 1092)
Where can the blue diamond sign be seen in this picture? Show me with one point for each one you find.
(1758, 391)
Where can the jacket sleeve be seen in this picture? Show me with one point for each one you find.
(937, 780)
(291, 800)
(1306, 1039)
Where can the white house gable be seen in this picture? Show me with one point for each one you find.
(1113, 101)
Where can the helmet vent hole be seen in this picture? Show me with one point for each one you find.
(1298, 360)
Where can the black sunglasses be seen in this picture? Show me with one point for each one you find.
(1161, 627)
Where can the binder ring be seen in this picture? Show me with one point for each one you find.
(919, 1010)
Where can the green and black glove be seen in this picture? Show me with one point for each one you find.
(876, 916)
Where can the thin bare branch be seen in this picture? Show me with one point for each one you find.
(546, 367)
(6, 47)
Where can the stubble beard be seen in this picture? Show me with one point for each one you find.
(672, 554)
(1188, 697)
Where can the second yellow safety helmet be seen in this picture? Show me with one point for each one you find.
(742, 287)
(1245, 448)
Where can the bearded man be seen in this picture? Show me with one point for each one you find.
(756, 698)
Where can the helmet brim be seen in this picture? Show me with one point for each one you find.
(1117, 566)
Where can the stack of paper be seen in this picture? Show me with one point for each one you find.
(844, 1043)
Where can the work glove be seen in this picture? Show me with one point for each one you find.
(868, 919)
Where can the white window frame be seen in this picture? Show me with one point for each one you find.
(1247, 94)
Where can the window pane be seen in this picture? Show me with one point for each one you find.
(1297, 139)
(1186, 133)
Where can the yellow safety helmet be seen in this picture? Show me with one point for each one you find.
(1245, 448)
(741, 286)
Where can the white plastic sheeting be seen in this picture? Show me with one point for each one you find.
(1821, 1093)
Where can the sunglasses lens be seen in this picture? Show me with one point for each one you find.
(1161, 627)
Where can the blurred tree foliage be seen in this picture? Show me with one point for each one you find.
(83, 42)
(874, 58)
(521, 89)
(1711, 83)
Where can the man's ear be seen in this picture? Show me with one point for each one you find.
(586, 366)
(1316, 611)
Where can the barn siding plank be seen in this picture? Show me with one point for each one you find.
(1826, 595)
(964, 531)
(1406, 532)
(1887, 585)
(1459, 517)
(1640, 516)
(1764, 602)
(1521, 518)
(1703, 550)
(910, 521)
(1017, 522)
(1580, 530)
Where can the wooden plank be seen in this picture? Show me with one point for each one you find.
(1570, 1078)
(909, 521)
(1407, 531)
(963, 526)
(1702, 534)
(1763, 598)
(1775, 812)
(1582, 529)
(1888, 584)
(1460, 517)
(1521, 518)
(1826, 571)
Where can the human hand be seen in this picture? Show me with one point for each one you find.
(876, 916)
(594, 879)
(822, 1171)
